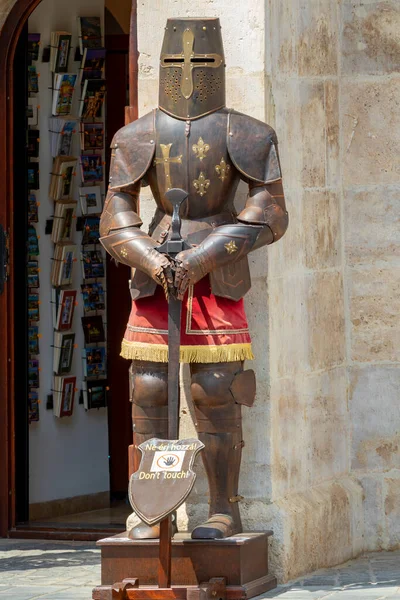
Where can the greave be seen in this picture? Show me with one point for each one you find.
(148, 395)
(149, 404)
(221, 457)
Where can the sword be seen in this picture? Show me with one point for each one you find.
(171, 247)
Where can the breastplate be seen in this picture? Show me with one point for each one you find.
(193, 155)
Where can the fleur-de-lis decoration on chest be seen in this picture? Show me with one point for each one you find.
(201, 184)
(222, 169)
(166, 161)
(200, 149)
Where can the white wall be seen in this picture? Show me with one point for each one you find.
(67, 457)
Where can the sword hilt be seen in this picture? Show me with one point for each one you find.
(175, 243)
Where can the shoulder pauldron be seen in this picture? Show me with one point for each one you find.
(132, 151)
(252, 146)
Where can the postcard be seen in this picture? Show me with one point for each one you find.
(92, 263)
(90, 198)
(33, 339)
(93, 329)
(33, 406)
(33, 273)
(92, 168)
(91, 231)
(93, 297)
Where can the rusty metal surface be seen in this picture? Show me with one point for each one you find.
(252, 147)
(219, 425)
(196, 156)
(149, 399)
(134, 247)
(243, 387)
(132, 150)
(120, 211)
(192, 68)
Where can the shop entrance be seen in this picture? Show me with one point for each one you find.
(65, 425)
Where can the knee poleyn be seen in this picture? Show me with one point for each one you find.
(149, 390)
(212, 390)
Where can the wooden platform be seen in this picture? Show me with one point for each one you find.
(241, 559)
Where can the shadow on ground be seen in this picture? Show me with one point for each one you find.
(45, 556)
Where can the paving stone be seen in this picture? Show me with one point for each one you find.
(31, 592)
(297, 594)
(363, 594)
(322, 581)
(312, 593)
(73, 594)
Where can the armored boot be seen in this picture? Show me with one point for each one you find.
(221, 457)
(215, 390)
(148, 394)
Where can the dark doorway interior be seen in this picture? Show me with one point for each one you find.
(98, 523)
(119, 418)
(20, 289)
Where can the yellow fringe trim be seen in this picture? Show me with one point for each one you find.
(188, 354)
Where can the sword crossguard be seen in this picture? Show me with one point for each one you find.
(175, 243)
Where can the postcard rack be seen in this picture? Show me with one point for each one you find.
(32, 244)
(75, 199)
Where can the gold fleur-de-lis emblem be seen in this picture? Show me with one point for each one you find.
(201, 184)
(222, 169)
(231, 247)
(200, 149)
(124, 252)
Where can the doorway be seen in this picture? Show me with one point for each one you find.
(40, 479)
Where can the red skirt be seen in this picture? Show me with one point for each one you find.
(213, 329)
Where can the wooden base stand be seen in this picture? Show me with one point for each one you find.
(232, 569)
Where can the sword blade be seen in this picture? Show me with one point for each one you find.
(174, 340)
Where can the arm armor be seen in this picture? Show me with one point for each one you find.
(263, 221)
(120, 233)
(132, 150)
(266, 208)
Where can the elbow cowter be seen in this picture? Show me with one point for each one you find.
(119, 213)
(277, 220)
(262, 209)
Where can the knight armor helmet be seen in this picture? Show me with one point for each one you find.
(192, 68)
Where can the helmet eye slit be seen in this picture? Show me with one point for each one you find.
(168, 61)
(202, 60)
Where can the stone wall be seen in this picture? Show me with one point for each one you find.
(321, 463)
(315, 498)
(370, 140)
(334, 279)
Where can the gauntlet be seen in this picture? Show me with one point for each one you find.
(127, 244)
(263, 221)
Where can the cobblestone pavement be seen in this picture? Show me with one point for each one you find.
(32, 570)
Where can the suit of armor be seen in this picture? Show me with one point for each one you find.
(192, 141)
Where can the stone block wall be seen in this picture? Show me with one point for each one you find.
(370, 126)
(332, 81)
(322, 459)
(314, 496)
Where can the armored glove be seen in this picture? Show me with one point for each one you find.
(224, 245)
(263, 221)
(122, 238)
